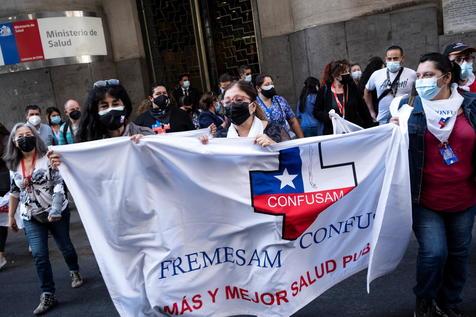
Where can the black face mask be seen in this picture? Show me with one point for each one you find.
(162, 102)
(239, 112)
(113, 120)
(27, 143)
(346, 79)
(75, 115)
(270, 93)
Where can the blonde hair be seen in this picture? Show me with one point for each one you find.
(144, 105)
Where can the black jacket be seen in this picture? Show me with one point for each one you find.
(192, 92)
(178, 119)
(356, 110)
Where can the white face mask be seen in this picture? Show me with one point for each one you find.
(248, 78)
(356, 74)
(269, 87)
(34, 120)
(103, 112)
(186, 84)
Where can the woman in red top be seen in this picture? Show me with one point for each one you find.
(442, 144)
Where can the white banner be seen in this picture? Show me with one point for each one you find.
(72, 36)
(181, 228)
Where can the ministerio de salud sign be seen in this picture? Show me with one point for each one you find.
(49, 38)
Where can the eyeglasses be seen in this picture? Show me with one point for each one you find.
(461, 59)
(106, 83)
(237, 100)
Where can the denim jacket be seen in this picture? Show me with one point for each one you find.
(417, 129)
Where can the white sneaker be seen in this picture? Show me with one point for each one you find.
(3, 262)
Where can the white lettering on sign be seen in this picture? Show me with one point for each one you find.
(72, 36)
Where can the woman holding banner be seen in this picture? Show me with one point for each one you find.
(442, 152)
(39, 189)
(247, 118)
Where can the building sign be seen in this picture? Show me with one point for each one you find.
(48, 38)
(66, 37)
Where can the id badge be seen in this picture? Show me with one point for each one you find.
(448, 155)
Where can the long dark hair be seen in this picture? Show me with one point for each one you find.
(375, 63)
(444, 65)
(309, 88)
(90, 128)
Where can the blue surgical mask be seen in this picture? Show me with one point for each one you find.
(466, 70)
(393, 67)
(186, 84)
(248, 78)
(218, 107)
(55, 120)
(427, 88)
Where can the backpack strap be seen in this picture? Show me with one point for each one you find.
(65, 131)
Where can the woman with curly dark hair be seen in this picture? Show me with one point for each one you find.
(341, 95)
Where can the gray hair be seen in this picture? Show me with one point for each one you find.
(13, 154)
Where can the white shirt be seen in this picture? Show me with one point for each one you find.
(378, 80)
(46, 193)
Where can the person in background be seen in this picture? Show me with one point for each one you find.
(39, 189)
(185, 104)
(390, 82)
(106, 114)
(224, 81)
(185, 89)
(356, 73)
(276, 108)
(245, 72)
(53, 117)
(442, 151)
(247, 118)
(164, 116)
(144, 106)
(33, 116)
(342, 95)
(70, 127)
(307, 101)
(4, 189)
(209, 115)
(375, 63)
(462, 55)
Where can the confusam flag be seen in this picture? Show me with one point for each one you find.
(182, 228)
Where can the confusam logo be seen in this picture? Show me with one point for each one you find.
(299, 191)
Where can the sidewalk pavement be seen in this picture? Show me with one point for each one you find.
(391, 295)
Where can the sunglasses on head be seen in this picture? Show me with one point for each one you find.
(106, 83)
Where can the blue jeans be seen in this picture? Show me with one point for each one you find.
(37, 235)
(442, 263)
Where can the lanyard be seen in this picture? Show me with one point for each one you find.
(339, 104)
(27, 178)
(266, 109)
